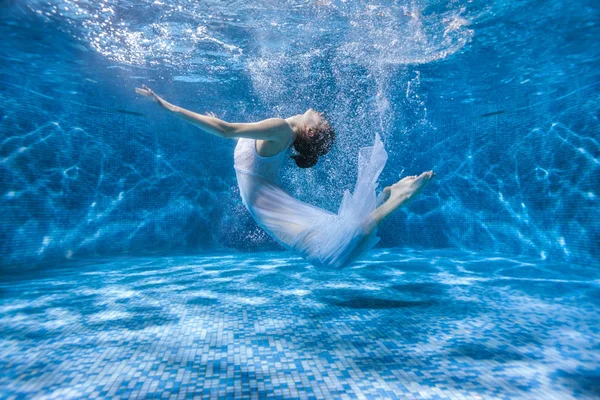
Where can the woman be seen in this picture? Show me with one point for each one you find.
(322, 237)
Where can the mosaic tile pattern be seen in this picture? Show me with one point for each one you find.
(401, 325)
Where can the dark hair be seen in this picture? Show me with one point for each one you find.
(310, 148)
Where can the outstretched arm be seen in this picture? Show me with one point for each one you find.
(268, 129)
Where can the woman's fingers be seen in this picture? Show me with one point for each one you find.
(143, 92)
(146, 91)
(150, 91)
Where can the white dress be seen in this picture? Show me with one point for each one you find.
(323, 238)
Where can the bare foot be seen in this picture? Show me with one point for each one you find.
(409, 187)
(396, 195)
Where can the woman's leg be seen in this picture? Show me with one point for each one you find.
(397, 194)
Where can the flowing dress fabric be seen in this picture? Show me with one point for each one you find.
(325, 239)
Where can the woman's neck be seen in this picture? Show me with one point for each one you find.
(298, 124)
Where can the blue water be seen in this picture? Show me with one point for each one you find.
(130, 265)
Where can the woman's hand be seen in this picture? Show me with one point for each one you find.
(146, 91)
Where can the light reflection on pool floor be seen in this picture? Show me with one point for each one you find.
(401, 324)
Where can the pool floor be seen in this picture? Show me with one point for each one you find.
(404, 324)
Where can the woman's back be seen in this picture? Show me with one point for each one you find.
(247, 160)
